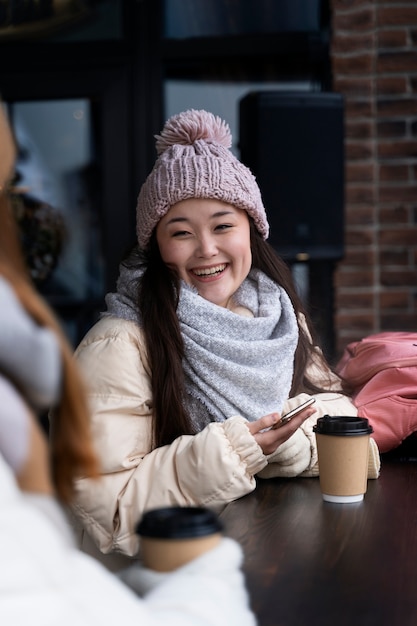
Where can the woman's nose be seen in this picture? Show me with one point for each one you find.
(207, 246)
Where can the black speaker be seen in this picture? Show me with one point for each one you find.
(294, 144)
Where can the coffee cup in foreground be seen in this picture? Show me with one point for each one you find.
(171, 537)
(343, 452)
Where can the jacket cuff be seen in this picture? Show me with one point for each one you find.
(374, 461)
(240, 438)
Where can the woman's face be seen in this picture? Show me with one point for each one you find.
(208, 243)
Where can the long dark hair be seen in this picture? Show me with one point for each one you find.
(158, 293)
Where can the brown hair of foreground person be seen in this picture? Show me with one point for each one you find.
(71, 449)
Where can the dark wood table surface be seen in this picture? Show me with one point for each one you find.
(311, 563)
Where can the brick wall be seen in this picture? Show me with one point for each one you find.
(374, 65)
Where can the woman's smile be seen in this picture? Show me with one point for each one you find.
(209, 273)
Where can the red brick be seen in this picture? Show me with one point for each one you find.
(360, 237)
(356, 21)
(400, 278)
(397, 149)
(359, 215)
(397, 15)
(358, 130)
(352, 86)
(353, 64)
(360, 322)
(355, 300)
(360, 194)
(400, 193)
(399, 322)
(358, 108)
(392, 129)
(406, 236)
(394, 299)
(355, 278)
(359, 256)
(391, 85)
(393, 256)
(397, 106)
(360, 173)
(392, 39)
(352, 42)
(396, 61)
(393, 173)
(341, 5)
(398, 214)
(358, 150)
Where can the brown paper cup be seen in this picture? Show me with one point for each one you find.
(171, 537)
(343, 452)
(165, 555)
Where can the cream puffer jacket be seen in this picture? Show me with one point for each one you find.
(211, 468)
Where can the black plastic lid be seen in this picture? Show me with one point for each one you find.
(178, 523)
(342, 425)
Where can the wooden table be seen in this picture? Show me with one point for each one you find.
(311, 563)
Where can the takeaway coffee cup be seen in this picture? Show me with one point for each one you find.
(343, 450)
(172, 536)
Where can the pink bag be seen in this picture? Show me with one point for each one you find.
(382, 369)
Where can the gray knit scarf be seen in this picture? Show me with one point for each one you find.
(233, 364)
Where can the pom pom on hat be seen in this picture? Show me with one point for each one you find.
(186, 128)
(194, 161)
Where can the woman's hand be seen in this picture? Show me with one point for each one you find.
(270, 433)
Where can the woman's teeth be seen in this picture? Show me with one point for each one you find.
(210, 271)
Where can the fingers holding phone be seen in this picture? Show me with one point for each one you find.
(271, 431)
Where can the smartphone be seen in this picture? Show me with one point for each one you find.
(286, 418)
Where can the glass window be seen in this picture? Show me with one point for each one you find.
(56, 204)
(219, 97)
(203, 18)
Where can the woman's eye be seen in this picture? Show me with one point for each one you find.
(180, 233)
(223, 226)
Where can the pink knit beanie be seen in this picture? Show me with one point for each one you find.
(194, 161)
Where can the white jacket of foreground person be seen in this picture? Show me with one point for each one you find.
(46, 581)
(213, 467)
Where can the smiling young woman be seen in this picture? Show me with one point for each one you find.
(201, 348)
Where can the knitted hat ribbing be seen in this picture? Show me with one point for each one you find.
(194, 161)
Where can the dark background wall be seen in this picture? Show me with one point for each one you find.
(123, 67)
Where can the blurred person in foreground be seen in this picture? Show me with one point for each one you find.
(44, 579)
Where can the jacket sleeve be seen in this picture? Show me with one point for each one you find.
(221, 599)
(210, 469)
(58, 584)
